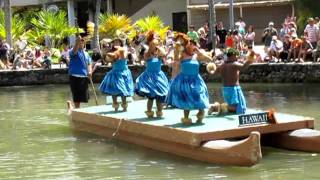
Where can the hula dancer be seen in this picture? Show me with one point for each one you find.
(232, 93)
(188, 90)
(118, 81)
(79, 71)
(153, 83)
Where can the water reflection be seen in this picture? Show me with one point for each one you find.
(37, 143)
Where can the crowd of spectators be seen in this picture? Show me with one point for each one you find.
(280, 45)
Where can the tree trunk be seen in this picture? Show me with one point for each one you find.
(8, 21)
(96, 25)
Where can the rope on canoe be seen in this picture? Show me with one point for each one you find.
(117, 130)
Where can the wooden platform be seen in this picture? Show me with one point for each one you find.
(170, 129)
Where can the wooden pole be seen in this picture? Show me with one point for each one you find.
(231, 15)
(212, 22)
(8, 21)
(94, 91)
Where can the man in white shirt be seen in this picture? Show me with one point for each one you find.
(312, 32)
(276, 47)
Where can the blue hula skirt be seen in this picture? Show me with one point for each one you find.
(188, 91)
(233, 96)
(118, 81)
(152, 83)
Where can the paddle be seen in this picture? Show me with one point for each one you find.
(94, 91)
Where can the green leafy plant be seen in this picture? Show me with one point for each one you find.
(18, 27)
(53, 25)
(154, 23)
(111, 23)
(306, 9)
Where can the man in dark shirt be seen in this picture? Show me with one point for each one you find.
(267, 35)
(221, 33)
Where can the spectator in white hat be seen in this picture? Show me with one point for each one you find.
(267, 35)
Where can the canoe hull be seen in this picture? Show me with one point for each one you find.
(307, 140)
(246, 152)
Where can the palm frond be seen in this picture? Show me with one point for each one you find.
(152, 23)
(111, 23)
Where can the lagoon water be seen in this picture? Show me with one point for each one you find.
(36, 141)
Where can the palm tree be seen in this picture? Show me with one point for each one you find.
(96, 27)
(51, 24)
(8, 22)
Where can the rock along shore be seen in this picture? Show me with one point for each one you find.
(259, 73)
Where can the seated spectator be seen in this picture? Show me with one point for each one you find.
(96, 59)
(65, 57)
(29, 57)
(295, 47)
(19, 62)
(276, 47)
(286, 48)
(306, 49)
(46, 61)
(4, 58)
(38, 58)
(316, 52)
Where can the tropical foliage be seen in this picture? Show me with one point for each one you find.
(306, 9)
(152, 23)
(18, 27)
(53, 25)
(110, 24)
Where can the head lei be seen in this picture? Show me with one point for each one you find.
(232, 51)
(150, 36)
(185, 39)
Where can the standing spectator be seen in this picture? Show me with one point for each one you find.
(237, 38)
(222, 34)
(249, 37)
(79, 71)
(193, 35)
(283, 31)
(229, 40)
(312, 32)
(305, 49)
(203, 38)
(169, 38)
(267, 35)
(292, 28)
(241, 26)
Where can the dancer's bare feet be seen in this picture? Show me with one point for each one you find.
(70, 107)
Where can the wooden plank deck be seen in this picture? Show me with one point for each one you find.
(170, 128)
